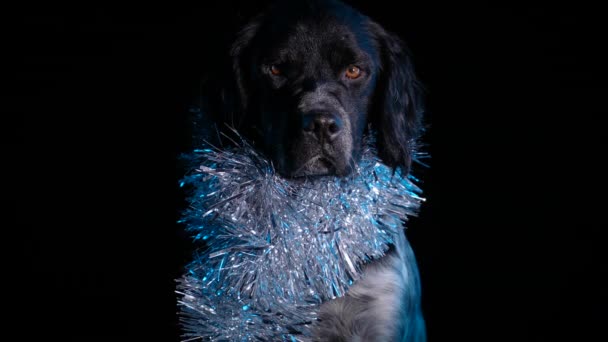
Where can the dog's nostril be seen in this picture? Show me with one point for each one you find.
(322, 126)
(333, 128)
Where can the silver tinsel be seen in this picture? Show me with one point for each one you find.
(275, 249)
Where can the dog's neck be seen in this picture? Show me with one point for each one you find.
(279, 246)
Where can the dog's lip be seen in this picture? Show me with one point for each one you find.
(319, 165)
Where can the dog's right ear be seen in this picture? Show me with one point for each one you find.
(236, 96)
(240, 53)
(225, 91)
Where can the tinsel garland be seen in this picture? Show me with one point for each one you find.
(277, 248)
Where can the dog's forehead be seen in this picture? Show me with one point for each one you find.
(310, 34)
(307, 25)
(313, 35)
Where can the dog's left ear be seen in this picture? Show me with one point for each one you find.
(397, 112)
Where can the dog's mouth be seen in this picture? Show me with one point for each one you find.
(319, 165)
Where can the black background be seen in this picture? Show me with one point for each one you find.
(508, 242)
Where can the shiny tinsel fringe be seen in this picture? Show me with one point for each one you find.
(276, 248)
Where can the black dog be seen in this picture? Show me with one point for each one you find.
(307, 79)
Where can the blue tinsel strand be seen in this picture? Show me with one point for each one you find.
(278, 248)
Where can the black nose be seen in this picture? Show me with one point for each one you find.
(324, 127)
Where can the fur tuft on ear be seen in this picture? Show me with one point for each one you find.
(398, 109)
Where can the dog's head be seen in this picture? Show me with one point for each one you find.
(309, 77)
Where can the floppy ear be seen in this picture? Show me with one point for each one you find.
(225, 91)
(241, 62)
(397, 114)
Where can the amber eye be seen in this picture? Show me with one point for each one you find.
(275, 70)
(353, 72)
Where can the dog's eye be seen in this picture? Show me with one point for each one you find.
(275, 70)
(353, 72)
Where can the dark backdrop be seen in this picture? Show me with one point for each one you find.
(508, 242)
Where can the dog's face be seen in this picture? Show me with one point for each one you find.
(310, 76)
(315, 80)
